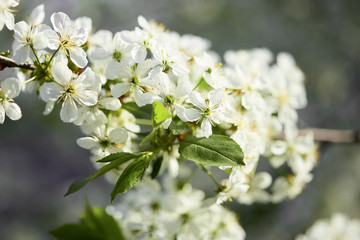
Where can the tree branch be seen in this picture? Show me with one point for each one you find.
(8, 62)
(330, 135)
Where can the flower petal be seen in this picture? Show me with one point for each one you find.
(142, 99)
(192, 114)
(110, 103)
(216, 97)
(69, 111)
(50, 91)
(87, 97)
(12, 110)
(120, 89)
(10, 87)
(118, 135)
(87, 142)
(2, 114)
(61, 73)
(78, 56)
(206, 127)
(196, 99)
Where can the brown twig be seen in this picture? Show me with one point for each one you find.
(8, 62)
(330, 135)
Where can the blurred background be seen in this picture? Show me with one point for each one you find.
(39, 157)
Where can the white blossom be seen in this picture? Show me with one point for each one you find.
(10, 88)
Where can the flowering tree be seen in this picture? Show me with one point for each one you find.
(153, 105)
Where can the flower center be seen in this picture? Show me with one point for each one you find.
(169, 100)
(117, 55)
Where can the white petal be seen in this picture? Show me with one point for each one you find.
(2, 114)
(196, 99)
(87, 142)
(61, 73)
(69, 111)
(22, 54)
(262, 180)
(12, 110)
(87, 97)
(100, 54)
(37, 15)
(10, 87)
(49, 107)
(180, 112)
(278, 147)
(9, 20)
(78, 56)
(113, 70)
(216, 97)
(142, 99)
(118, 135)
(79, 36)
(110, 103)
(192, 115)
(86, 79)
(59, 21)
(138, 53)
(167, 123)
(41, 41)
(120, 89)
(206, 127)
(50, 91)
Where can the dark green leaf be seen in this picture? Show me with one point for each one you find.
(217, 150)
(131, 175)
(139, 112)
(115, 161)
(156, 167)
(159, 114)
(116, 156)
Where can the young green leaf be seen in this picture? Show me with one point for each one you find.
(115, 160)
(131, 175)
(159, 114)
(217, 150)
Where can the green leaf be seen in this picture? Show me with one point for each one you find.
(156, 167)
(217, 150)
(149, 137)
(177, 126)
(95, 224)
(97, 219)
(74, 231)
(139, 112)
(116, 156)
(131, 175)
(159, 114)
(115, 160)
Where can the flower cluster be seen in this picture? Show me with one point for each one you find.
(106, 84)
(339, 226)
(176, 212)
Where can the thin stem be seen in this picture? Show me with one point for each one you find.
(27, 81)
(8, 62)
(47, 65)
(201, 80)
(36, 56)
(143, 122)
(208, 172)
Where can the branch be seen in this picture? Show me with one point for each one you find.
(8, 62)
(330, 135)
